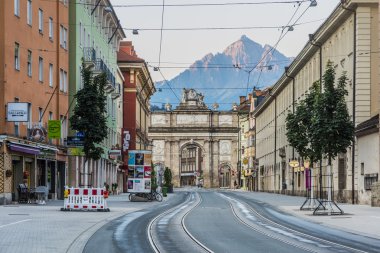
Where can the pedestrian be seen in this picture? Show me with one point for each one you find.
(235, 184)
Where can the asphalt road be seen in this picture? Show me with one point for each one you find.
(221, 221)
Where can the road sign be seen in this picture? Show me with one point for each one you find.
(79, 134)
(74, 141)
(293, 163)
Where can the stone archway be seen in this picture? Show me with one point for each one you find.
(225, 175)
(191, 164)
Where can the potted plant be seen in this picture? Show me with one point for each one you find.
(114, 188)
(153, 179)
(168, 179)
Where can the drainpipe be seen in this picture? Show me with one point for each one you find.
(317, 44)
(275, 137)
(353, 102)
(293, 108)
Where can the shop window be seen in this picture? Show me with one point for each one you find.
(370, 179)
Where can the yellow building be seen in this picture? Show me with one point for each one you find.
(350, 38)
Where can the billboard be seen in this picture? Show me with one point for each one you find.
(17, 112)
(139, 170)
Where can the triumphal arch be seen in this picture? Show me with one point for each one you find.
(197, 143)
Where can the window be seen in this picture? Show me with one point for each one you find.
(40, 69)
(80, 34)
(40, 112)
(17, 129)
(30, 116)
(40, 21)
(63, 37)
(29, 12)
(51, 28)
(64, 81)
(61, 79)
(17, 7)
(369, 179)
(17, 56)
(29, 63)
(51, 75)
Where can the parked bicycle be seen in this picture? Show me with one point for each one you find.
(154, 195)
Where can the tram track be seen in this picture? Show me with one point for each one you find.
(171, 218)
(277, 231)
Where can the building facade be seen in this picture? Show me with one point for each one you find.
(199, 145)
(137, 90)
(33, 90)
(95, 34)
(350, 39)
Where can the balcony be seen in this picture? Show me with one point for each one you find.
(89, 56)
(117, 91)
(101, 67)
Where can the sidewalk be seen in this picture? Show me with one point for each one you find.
(44, 228)
(358, 219)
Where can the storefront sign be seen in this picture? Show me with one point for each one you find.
(75, 151)
(37, 133)
(127, 138)
(54, 129)
(17, 112)
(293, 163)
(114, 154)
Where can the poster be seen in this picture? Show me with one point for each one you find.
(139, 171)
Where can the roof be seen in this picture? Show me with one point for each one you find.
(127, 53)
(368, 127)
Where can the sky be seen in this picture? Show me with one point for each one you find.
(174, 50)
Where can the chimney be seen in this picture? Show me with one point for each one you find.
(242, 99)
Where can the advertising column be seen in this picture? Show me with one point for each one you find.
(139, 171)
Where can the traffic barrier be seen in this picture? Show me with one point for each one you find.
(85, 199)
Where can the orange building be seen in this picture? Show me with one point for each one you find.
(33, 90)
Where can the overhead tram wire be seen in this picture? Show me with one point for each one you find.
(276, 44)
(190, 4)
(282, 36)
(266, 53)
(168, 83)
(162, 25)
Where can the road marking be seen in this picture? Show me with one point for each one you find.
(13, 223)
(377, 217)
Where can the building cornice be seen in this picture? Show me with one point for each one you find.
(321, 35)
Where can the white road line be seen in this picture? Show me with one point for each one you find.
(13, 223)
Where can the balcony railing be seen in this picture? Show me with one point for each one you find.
(117, 91)
(89, 56)
(101, 67)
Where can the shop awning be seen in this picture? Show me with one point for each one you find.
(48, 148)
(24, 148)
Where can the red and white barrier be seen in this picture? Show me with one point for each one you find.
(85, 199)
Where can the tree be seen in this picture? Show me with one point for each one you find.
(90, 113)
(153, 178)
(333, 128)
(168, 177)
(299, 125)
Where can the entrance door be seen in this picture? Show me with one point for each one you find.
(191, 165)
(225, 176)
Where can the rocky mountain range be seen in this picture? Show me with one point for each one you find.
(223, 77)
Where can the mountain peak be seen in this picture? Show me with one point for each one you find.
(219, 72)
